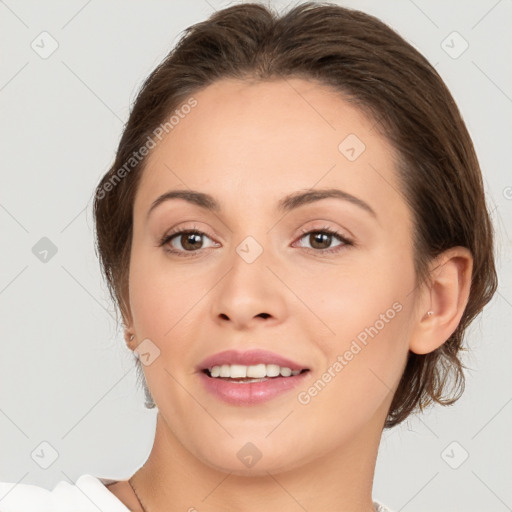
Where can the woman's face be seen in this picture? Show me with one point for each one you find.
(265, 273)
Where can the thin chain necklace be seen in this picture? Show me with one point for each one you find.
(140, 502)
(137, 496)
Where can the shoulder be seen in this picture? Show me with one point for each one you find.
(380, 508)
(89, 493)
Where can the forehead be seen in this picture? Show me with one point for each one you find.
(264, 140)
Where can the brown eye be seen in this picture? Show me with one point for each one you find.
(190, 241)
(320, 240)
(185, 242)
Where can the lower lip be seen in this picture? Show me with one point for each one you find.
(250, 393)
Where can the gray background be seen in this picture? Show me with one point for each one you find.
(67, 377)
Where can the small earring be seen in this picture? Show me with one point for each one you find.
(132, 336)
(430, 313)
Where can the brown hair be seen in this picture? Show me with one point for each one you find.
(370, 65)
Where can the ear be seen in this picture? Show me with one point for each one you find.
(130, 339)
(446, 295)
(126, 313)
(129, 331)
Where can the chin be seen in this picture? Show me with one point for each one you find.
(243, 457)
(261, 467)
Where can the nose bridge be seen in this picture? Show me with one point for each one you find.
(249, 275)
(249, 290)
(250, 249)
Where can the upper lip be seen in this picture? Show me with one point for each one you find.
(248, 358)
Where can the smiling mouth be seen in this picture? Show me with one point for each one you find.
(254, 379)
(249, 385)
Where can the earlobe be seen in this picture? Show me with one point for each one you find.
(449, 288)
(129, 337)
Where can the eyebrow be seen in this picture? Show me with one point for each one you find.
(288, 203)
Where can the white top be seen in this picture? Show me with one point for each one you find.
(89, 494)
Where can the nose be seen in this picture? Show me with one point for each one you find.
(249, 295)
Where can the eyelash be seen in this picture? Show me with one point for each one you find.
(187, 254)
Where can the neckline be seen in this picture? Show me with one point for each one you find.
(106, 481)
(100, 484)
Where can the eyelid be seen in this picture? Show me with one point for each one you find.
(326, 225)
(346, 241)
(184, 229)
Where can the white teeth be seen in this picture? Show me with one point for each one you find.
(256, 371)
(273, 370)
(285, 372)
(238, 371)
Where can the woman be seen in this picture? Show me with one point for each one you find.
(295, 233)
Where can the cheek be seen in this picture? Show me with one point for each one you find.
(365, 311)
(351, 297)
(148, 297)
(360, 376)
(162, 294)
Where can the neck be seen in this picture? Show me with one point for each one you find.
(339, 480)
